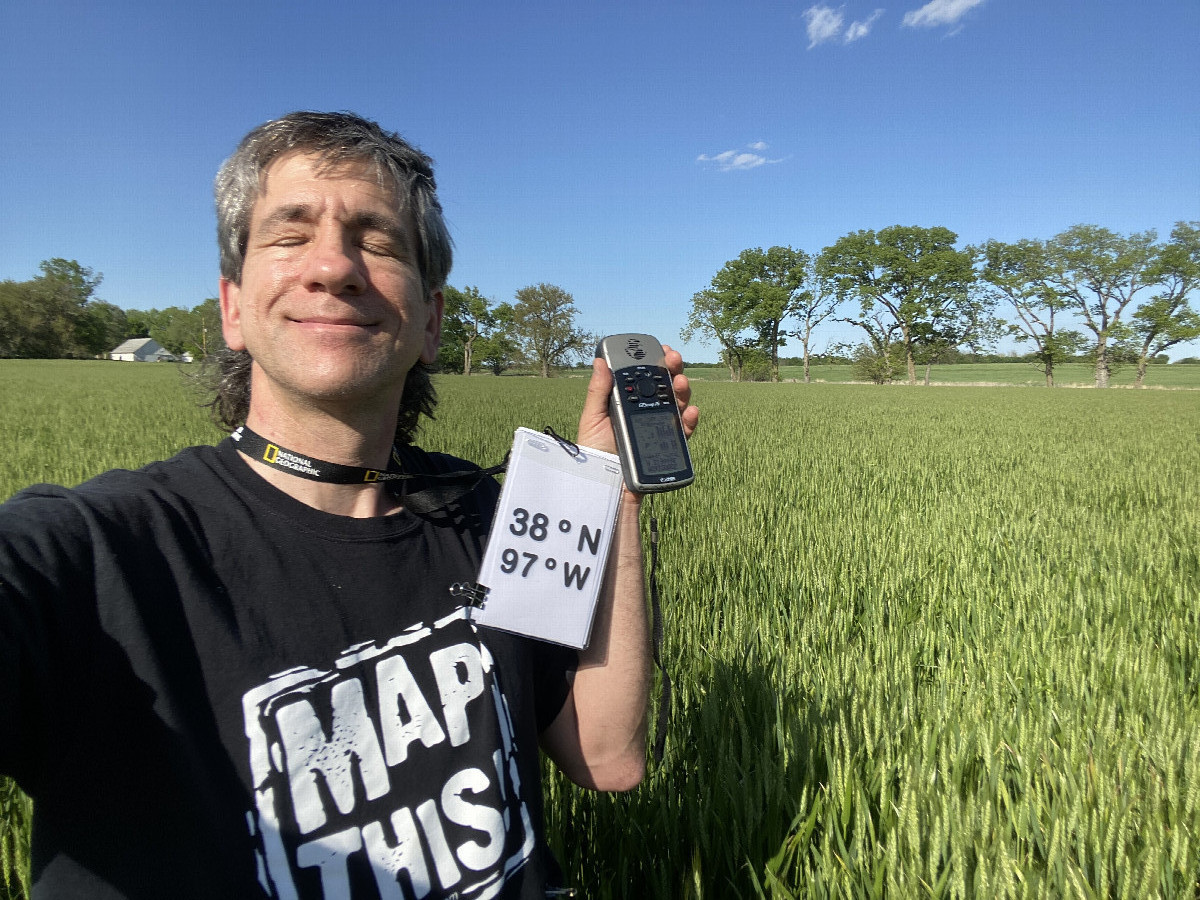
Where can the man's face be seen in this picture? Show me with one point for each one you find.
(330, 305)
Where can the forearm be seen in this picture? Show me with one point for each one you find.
(600, 739)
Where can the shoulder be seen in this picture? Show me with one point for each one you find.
(53, 539)
(117, 496)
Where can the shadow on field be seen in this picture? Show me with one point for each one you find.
(741, 751)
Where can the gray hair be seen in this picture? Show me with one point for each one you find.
(334, 138)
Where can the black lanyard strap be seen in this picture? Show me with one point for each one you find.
(440, 490)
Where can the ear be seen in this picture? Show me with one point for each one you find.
(433, 328)
(231, 314)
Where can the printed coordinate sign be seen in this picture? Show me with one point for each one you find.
(550, 540)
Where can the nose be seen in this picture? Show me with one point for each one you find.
(334, 265)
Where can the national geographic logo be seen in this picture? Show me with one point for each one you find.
(277, 456)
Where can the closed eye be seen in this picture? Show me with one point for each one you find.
(380, 247)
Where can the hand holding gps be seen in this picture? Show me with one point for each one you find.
(645, 416)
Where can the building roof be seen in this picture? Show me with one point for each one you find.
(133, 345)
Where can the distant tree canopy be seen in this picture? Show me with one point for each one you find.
(917, 298)
(764, 288)
(1167, 319)
(750, 302)
(913, 289)
(1099, 273)
(914, 295)
(1019, 274)
(543, 324)
(195, 331)
(57, 315)
(468, 321)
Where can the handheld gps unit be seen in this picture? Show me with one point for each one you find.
(645, 417)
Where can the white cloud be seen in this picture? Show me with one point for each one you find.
(824, 24)
(739, 160)
(939, 12)
(861, 29)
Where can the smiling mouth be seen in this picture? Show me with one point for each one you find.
(334, 322)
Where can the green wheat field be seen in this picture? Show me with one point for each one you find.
(925, 641)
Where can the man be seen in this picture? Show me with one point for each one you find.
(227, 678)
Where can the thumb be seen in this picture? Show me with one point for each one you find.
(594, 428)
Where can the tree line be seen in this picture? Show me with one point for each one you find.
(537, 329)
(57, 315)
(917, 299)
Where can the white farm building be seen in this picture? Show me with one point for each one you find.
(142, 350)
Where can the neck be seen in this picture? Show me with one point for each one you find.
(336, 440)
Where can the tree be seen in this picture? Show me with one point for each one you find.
(498, 350)
(765, 288)
(916, 276)
(47, 317)
(878, 358)
(1020, 273)
(712, 319)
(62, 293)
(173, 328)
(207, 334)
(467, 318)
(12, 314)
(196, 331)
(544, 325)
(815, 304)
(968, 323)
(100, 328)
(139, 322)
(1100, 272)
(1168, 319)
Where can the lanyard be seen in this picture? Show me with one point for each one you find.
(439, 489)
(452, 486)
(257, 447)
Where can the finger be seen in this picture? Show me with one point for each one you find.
(679, 382)
(690, 418)
(674, 360)
(595, 405)
(594, 428)
(683, 390)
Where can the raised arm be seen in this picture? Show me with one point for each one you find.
(599, 737)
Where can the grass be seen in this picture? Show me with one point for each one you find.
(924, 643)
(16, 813)
(67, 420)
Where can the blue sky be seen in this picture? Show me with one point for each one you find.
(623, 151)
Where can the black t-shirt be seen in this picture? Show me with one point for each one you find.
(213, 690)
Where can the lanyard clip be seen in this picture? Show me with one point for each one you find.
(474, 594)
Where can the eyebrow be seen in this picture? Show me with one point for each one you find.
(294, 212)
(360, 221)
